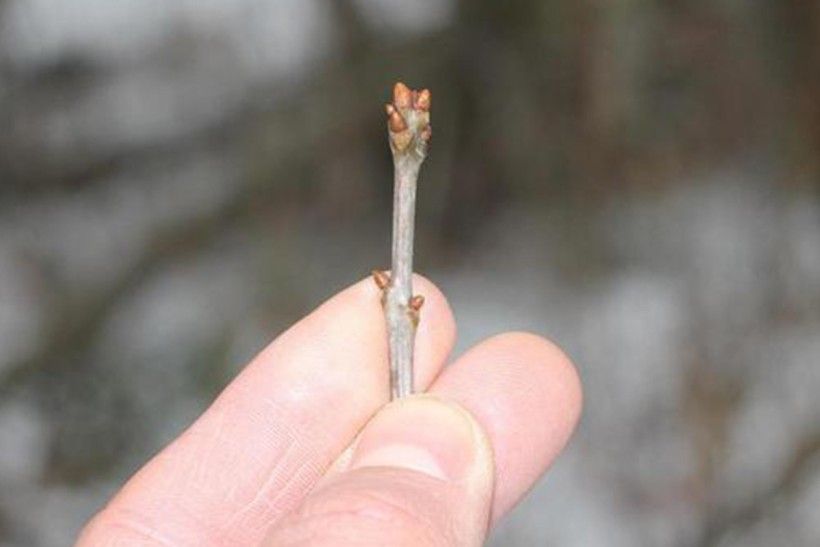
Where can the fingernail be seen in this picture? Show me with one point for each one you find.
(423, 434)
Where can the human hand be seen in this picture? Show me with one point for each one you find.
(303, 447)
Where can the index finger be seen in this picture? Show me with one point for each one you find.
(273, 432)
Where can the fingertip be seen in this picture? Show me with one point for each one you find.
(547, 363)
(353, 319)
(526, 394)
(437, 330)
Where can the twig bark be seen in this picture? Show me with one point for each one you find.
(408, 123)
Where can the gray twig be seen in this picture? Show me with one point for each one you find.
(408, 123)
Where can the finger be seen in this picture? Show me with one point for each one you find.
(274, 430)
(421, 474)
(526, 395)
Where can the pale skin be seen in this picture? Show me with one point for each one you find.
(303, 447)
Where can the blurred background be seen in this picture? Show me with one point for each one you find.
(638, 180)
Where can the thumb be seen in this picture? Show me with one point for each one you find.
(420, 474)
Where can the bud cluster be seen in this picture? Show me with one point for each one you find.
(408, 120)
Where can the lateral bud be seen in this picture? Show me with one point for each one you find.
(396, 122)
(381, 278)
(416, 303)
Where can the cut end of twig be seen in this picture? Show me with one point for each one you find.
(408, 121)
(381, 278)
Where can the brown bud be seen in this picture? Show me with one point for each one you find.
(427, 133)
(424, 100)
(381, 278)
(416, 302)
(402, 96)
(396, 122)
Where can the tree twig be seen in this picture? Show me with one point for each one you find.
(408, 124)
